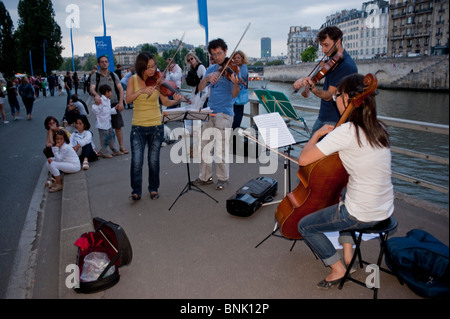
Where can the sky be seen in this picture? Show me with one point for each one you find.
(133, 22)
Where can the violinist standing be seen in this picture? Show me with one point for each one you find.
(364, 148)
(223, 92)
(147, 128)
(330, 38)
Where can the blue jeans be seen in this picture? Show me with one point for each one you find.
(139, 137)
(319, 123)
(313, 226)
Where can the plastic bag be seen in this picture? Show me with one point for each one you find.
(94, 264)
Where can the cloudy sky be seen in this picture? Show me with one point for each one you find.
(133, 22)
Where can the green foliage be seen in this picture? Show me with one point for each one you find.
(36, 24)
(310, 54)
(90, 63)
(7, 43)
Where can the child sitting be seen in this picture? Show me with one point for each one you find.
(64, 160)
(51, 124)
(106, 133)
(82, 143)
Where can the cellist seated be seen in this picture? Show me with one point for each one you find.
(364, 149)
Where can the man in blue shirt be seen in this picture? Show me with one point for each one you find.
(223, 92)
(330, 38)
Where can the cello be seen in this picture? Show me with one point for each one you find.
(321, 182)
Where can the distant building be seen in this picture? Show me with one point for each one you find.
(365, 31)
(299, 39)
(266, 47)
(126, 56)
(418, 28)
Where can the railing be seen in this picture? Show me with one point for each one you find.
(394, 122)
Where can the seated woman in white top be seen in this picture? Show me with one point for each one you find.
(64, 159)
(364, 149)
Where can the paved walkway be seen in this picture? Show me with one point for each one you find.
(197, 250)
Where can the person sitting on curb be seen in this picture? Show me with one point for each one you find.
(64, 160)
(82, 142)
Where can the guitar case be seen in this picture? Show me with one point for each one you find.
(251, 196)
(110, 239)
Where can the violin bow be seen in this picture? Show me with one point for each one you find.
(171, 59)
(229, 60)
(235, 49)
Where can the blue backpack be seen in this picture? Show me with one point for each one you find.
(420, 261)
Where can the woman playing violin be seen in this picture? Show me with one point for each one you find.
(330, 38)
(146, 128)
(364, 149)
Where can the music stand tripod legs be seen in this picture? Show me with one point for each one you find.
(190, 184)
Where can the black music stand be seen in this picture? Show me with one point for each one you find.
(181, 114)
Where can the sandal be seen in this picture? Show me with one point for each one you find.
(85, 165)
(56, 188)
(134, 197)
(50, 182)
(154, 195)
(124, 151)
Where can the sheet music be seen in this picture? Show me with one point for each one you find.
(273, 130)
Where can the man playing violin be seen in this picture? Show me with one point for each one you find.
(223, 91)
(330, 38)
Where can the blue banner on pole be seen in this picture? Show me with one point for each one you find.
(31, 64)
(203, 16)
(45, 64)
(71, 42)
(103, 46)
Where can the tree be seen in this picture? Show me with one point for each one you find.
(91, 63)
(37, 26)
(202, 56)
(309, 55)
(7, 44)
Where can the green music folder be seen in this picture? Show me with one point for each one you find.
(274, 101)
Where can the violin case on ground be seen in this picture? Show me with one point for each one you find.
(109, 241)
(251, 196)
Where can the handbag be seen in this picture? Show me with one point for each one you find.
(242, 98)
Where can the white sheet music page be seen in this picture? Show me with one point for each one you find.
(273, 130)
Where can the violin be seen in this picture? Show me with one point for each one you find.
(165, 87)
(321, 182)
(321, 69)
(229, 68)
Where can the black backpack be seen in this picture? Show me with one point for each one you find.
(192, 78)
(421, 261)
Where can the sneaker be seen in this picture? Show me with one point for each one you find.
(5, 122)
(199, 182)
(221, 184)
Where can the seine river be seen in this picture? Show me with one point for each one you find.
(412, 105)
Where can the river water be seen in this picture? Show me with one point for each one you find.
(430, 107)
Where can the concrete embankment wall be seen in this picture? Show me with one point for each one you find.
(424, 73)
